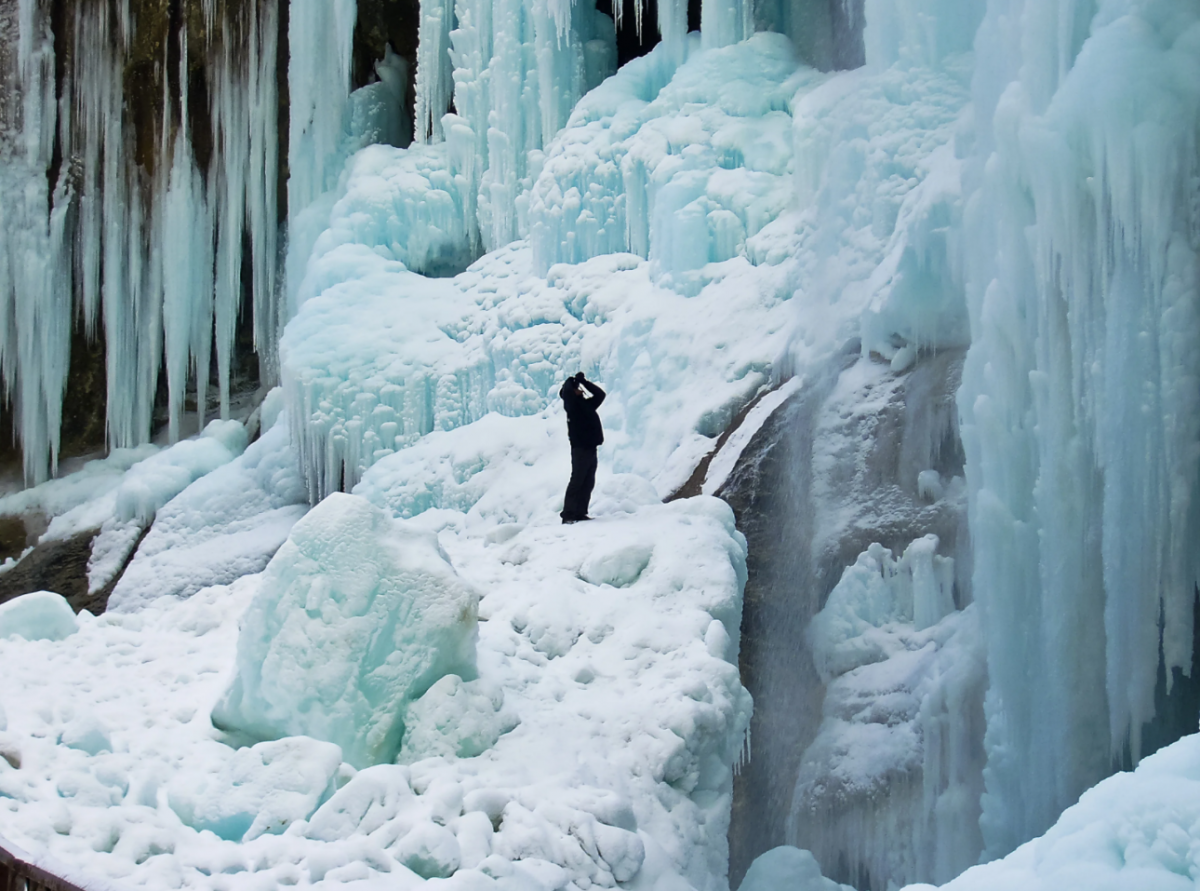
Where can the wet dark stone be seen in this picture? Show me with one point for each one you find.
(60, 566)
(380, 23)
(83, 417)
(12, 537)
(793, 565)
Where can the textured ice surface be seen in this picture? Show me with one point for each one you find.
(902, 716)
(42, 615)
(677, 165)
(357, 616)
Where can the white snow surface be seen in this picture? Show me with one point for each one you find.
(624, 717)
(226, 524)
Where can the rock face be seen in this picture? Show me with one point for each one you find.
(60, 566)
(356, 618)
(858, 456)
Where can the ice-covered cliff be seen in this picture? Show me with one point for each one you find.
(929, 326)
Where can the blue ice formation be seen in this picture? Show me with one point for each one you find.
(357, 617)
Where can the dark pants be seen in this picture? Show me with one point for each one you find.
(583, 479)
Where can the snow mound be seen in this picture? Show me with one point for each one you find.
(263, 788)
(454, 718)
(152, 483)
(41, 615)
(357, 616)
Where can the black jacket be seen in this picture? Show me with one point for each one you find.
(583, 424)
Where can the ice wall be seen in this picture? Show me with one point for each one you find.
(110, 211)
(1081, 413)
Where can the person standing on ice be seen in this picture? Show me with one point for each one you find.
(581, 398)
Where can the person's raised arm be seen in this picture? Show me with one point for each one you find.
(597, 394)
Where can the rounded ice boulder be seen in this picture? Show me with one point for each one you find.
(786, 867)
(358, 615)
(41, 615)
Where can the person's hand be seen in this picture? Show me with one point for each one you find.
(579, 378)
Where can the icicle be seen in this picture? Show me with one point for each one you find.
(743, 755)
(262, 186)
(434, 69)
(35, 283)
(320, 39)
(723, 22)
(672, 25)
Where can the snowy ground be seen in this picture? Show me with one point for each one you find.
(604, 648)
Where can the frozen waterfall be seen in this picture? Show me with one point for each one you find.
(1081, 413)
(831, 209)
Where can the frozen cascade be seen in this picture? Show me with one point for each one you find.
(135, 233)
(1079, 400)
(622, 178)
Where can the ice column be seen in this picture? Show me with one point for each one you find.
(35, 258)
(919, 32)
(1081, 414)
(320, 43)
(723, 22)
(434, 68)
